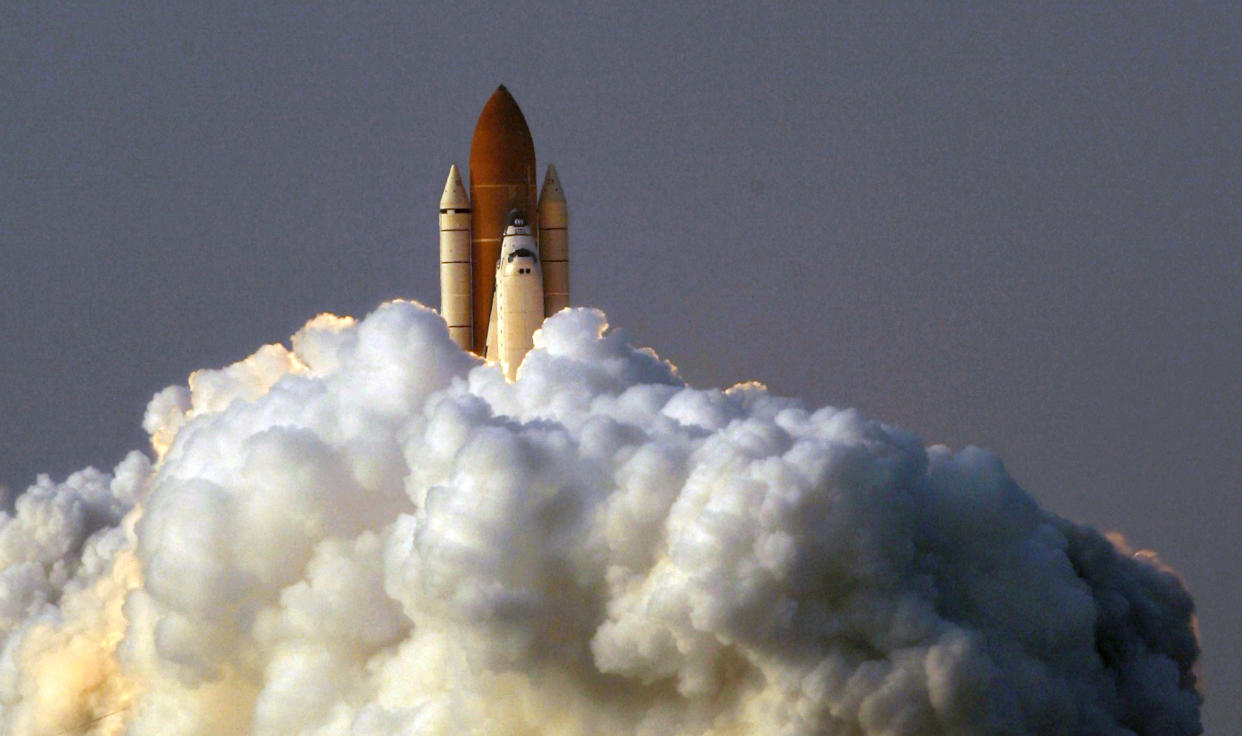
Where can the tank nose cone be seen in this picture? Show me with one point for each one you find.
(501, 132)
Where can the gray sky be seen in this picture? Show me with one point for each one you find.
(1000, 226)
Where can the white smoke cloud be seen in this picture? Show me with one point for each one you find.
(372, 533)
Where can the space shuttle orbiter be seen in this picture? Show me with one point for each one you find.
(517, 306)
(504, 259)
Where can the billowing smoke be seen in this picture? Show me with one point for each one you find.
(372, 533)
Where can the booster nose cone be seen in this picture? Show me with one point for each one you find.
(454, 197)
(552, 192)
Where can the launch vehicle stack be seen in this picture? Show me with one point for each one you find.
(504, 260)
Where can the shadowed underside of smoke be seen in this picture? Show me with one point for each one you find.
(370, 532)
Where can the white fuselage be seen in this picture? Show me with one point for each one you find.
(519, 299)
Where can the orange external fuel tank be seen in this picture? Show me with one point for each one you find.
(502, 178)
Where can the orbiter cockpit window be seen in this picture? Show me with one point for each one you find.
(522, 253)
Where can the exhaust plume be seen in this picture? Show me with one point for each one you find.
(370, 532)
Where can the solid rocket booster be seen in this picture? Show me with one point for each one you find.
(488, 290)
(502, 179)
(455, 301)
(554, 243)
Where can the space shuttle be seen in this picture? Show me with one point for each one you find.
(504, 256)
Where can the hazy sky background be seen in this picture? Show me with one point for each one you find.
(995, 225)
